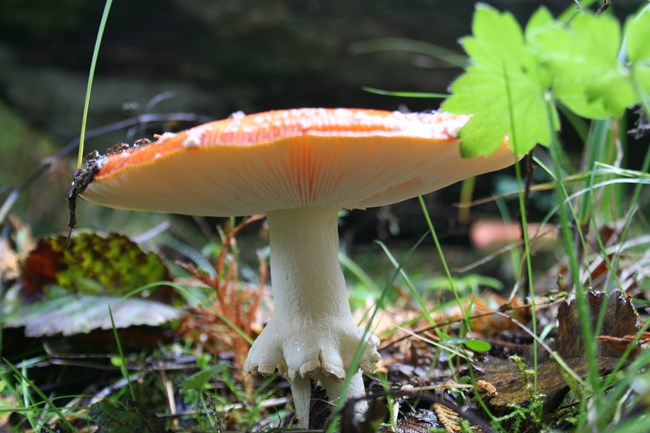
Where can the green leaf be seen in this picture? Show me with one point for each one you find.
(641, 76)
(198, 381)
(503, 88)
(637, 33)
(539, 22)
(196, 384)
(478, 345)
(583, 61)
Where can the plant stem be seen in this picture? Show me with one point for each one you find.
(584, 316)
(91, 75)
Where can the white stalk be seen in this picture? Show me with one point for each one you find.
(311, 335)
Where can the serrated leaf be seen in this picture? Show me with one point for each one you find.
(583, 60)
(539, 22)
(503, 88)
(78, 314)
(497, 40)
(637, 33)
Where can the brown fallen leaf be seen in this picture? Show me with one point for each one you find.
(484, 320)
(514, 385)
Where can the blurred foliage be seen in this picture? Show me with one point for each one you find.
(21, 147)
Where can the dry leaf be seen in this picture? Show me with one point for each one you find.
(513, 385)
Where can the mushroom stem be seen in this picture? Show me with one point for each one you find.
(305, 269)
(312, 335)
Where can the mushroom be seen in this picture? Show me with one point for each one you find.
(299, 167)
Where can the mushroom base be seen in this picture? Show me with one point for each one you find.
(311, 335)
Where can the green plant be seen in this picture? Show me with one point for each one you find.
(36, 412)
(517, 79)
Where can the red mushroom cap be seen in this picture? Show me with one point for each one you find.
(309, 157)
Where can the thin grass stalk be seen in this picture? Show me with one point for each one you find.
(516, 255)
(445, 267)
(530, 286)
(359, 273)
(596, 145)
(618, 152)
(546, 186)
(24, 387)
(466, 191)
(28, 384)
(523, 214)
(599, 138)
(409, 284)
(580, 126)
(634, 201)
(568, 239)
(633, 205)
(91, 75)
(466, 320)
(637, 368)
(123, 363)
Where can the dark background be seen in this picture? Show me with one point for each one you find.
(215, 57)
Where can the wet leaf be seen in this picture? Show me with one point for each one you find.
(513, 385)
(66, 289)
(71, 314)
(620, 320)
(90, 264)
